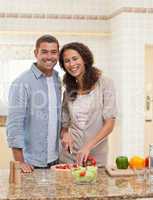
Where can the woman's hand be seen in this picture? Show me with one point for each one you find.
(105, 131)
(67, 140)
(83, 154)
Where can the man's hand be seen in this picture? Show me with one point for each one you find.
(26, 168)
(18, 156)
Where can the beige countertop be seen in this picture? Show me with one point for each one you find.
(60, 186)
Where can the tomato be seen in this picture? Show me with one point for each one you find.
(89, 157)
(62, 166)
(90, 161)
(93, 162)
(147, 162)
(58, 166)
(122, 162)
(83, 173)
(75, 165)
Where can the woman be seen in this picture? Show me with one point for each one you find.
(89, 108)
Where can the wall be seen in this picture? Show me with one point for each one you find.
(117, 4)
(49, 6)
(148, 92)
(130, 33)
(128, 67)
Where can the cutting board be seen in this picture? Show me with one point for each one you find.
(113, 171)
(63, 167)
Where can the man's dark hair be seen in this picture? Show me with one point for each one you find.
(46, 38)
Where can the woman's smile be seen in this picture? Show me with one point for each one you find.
(74, 63)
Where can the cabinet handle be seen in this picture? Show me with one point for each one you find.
(148, 100)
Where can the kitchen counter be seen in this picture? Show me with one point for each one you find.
(51, 185)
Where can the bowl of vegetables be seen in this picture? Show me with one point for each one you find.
(85, 174)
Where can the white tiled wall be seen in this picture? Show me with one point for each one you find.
(52, 25)
(127, 67)
(58, 6)
(117, 4)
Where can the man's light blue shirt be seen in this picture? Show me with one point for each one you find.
(27, 123)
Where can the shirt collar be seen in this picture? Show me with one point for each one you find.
(36, 71)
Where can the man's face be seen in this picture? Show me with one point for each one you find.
(47, 55)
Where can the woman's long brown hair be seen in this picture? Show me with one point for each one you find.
(90, 76)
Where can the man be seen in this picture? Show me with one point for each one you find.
(33, 123)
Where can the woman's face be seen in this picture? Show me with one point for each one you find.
(73, 63)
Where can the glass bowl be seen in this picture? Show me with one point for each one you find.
(84, 175)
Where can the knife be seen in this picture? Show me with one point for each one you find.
(69, 150)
